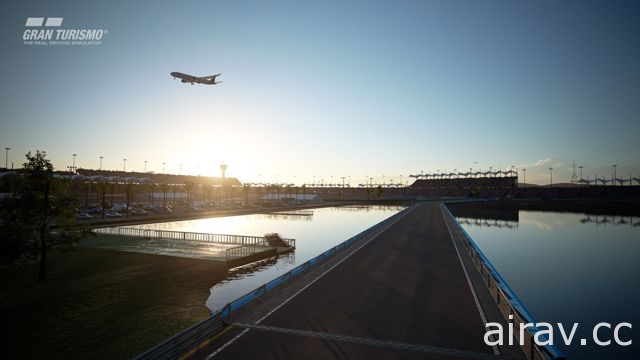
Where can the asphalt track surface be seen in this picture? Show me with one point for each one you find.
(403, 295)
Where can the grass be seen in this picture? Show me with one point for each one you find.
(101, 304)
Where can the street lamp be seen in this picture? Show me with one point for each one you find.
(6, 158)
(551, 176)
(73, 167)
(524, 175)
(613, 182)
(581, 172)
(124, 165)
(145, 166)
(100, 168)
(163, 167)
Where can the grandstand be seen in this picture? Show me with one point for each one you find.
(489, 186)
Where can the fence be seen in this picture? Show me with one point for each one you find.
(245, 254)
(506, 300)
(189, 236)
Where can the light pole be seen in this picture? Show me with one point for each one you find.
(551, 176)
(100, 168)
(613, 182)
(124, 165)
(145, 166)
(524, 175)
(163, 167)
(6, 158)
(73, 167)
(581, 172)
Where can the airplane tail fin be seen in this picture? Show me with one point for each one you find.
(213, 79)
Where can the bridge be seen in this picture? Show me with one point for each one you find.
(413, 286)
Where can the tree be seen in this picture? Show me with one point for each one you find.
(188, 187)
(165, 188)
(27, 215)
(247, 188)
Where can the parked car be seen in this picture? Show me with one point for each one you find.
(119, 207)
(95, 211)
(159, 209)
(139, 212)
(113, 214)
(83, 216)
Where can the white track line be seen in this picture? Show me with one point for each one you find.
(306, 286)
(466, 274)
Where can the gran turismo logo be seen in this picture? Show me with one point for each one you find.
(48, 31)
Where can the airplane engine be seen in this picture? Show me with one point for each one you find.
(185, 81)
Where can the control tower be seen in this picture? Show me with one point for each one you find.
(223, 169)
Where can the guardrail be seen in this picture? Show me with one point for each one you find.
(506, 300)
(188, 236)
(249, 297)
(179, 344)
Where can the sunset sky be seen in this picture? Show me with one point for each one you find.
(329, 88)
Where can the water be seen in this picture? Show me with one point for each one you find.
(314, 234)
(570, 268)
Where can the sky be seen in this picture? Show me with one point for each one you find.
(320, 90)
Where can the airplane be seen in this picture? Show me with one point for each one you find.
(207, 80)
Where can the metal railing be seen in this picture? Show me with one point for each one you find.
(506, 300)
(245, 254)
(189, 236)
(184, 341)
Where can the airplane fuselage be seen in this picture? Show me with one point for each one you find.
(186, 78)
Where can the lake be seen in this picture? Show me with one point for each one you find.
(568, 268)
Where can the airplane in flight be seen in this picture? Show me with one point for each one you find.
(207, 80)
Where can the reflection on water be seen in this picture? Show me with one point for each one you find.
(247, 270)
(570, 268)
(615, 220)
(314, 234)
(488, 223)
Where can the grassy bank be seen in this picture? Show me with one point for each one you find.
(101, 304)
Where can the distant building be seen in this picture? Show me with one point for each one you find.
(293, 199)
